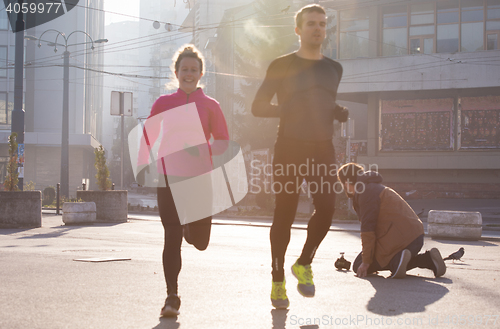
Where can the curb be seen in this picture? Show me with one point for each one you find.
(299, 223)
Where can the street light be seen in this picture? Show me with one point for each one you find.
(65, 112)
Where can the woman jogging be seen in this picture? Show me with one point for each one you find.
(182, 158)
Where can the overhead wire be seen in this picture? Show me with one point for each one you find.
(123, 77)
(107, 49)
(199, 28)
(216, 25)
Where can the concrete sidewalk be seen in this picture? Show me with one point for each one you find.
(228, 285)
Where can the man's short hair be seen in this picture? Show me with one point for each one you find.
(349, 172)
(314, 8)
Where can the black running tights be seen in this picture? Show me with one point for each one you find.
(196, 233)
(289, 169)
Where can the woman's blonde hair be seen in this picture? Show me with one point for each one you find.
(188, 51)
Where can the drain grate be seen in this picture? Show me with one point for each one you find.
(101, 259)
(91, 250)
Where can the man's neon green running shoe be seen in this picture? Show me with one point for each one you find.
(305, 276)
(278, 295)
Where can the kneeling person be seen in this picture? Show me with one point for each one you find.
(391, 233)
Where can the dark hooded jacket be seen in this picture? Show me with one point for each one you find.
(388, 223)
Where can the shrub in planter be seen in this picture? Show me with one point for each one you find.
(102, 176)
(18, 208)
(49, 195)
(11, 180)
(265, 200)
(29, 186)
(111, 206)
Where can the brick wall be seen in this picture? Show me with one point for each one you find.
(411, 191)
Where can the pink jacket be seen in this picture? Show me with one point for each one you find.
(192, 155)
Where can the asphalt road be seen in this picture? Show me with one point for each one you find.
(228, 285)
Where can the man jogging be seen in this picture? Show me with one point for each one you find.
(305, 83)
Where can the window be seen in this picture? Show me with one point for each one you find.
(492, 24)
(5, 109)
(354, 33)
(330, 43)
(447, 11)
(422, 14)
(447, 38)
(492, 40)
(3, 113)
(447, 29)
(422, 28)
(11, 59)
(3, 61)
(421, 45)
(493, 10)
(472, 37)
(442, 26)
(4, 161)
(472, 10)
(395, 31)
(4, 19)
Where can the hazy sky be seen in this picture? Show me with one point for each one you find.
(129, 7)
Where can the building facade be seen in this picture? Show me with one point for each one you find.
(44, 96)
(429, 74)
(423, 78)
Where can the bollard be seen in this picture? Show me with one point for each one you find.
(455, 224)
(113, 187)
(57, 196)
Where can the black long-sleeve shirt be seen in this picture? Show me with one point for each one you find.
(306, 90)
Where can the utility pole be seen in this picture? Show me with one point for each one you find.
(194, 22)
(18, 112)
(65, 129)
(122, 116)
